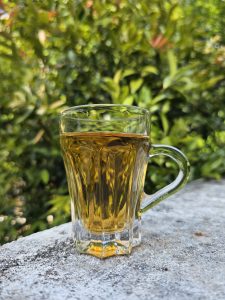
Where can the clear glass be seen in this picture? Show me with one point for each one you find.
(106, 149)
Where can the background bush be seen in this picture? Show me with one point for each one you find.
(166, 56)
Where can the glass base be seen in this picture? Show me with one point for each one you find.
(103, 249)
(106, 244)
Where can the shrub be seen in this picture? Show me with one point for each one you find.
(168, 57)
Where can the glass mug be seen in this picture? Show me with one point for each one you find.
(106, 149)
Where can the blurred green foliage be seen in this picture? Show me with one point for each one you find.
(167, 56)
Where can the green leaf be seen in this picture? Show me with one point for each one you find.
(129, 100)
(176, 13)
(43, 17)
(154, 108)
(166, 107)
(135, 85)
(165, 122)
(149, 70)
(209, 167)
(45, 176)
(60, 203)
(185, 83)
(212, 81)
(172, 60)
(159, 98)
(124, 92)
(145, 96)
(117, 76)
(167, 82)
(128, 72)
(112, 88)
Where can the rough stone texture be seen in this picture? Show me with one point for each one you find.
(182, 256)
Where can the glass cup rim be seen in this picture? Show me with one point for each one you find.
(141, 111)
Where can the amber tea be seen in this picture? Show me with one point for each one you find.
(106, 173)
(106, 148)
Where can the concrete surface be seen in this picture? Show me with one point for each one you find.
(182, 256)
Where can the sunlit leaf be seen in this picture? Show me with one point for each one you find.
(117, 76)
(128, 72)
(135, 85)
(149, 70)
(129, 100)
(172, 62)
(167, 82)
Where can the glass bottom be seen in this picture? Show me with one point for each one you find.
(103, 249)
(107, 244)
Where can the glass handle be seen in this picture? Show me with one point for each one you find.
(175, 154)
